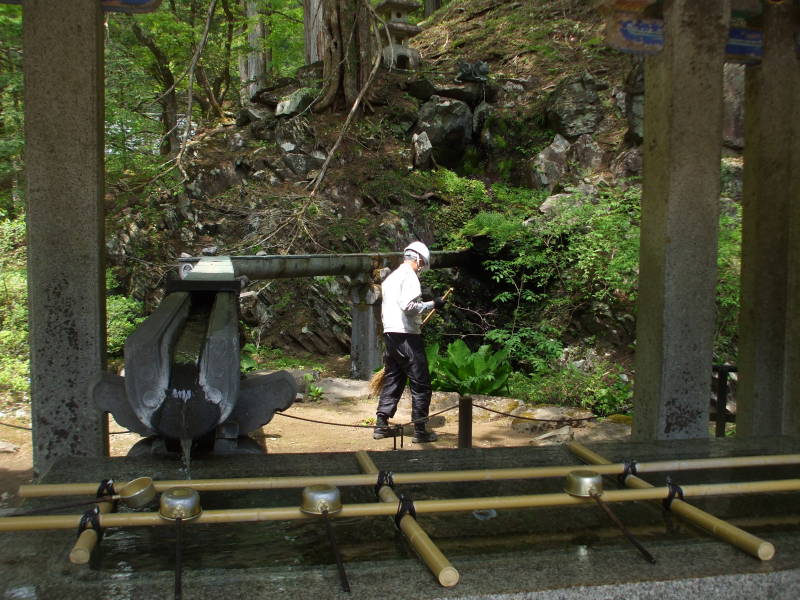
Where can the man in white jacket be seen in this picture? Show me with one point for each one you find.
(404, 358)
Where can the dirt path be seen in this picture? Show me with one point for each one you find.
(344, 402)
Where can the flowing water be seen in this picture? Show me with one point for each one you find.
(186, 457)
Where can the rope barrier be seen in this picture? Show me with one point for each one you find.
(9, 425)
(429, 417)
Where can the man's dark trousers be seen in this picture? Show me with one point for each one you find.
(405, 358)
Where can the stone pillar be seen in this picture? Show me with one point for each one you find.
(768, 325)
(680, 208)
(365, 355)
(63, 63)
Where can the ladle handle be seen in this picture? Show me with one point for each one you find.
(46, 509)
(339, 563)
(622, 528)
(178, 559)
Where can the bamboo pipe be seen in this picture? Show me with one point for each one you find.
(445, 573)
(743, 540)
(265, 483)
(239, 515)
(82, 550)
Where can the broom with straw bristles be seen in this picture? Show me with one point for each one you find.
(376, 382)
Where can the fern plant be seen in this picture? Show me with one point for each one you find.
(466, 372)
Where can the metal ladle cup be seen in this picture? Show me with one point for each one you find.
(180, 503)
(137, 492)
(589, 484)
(325, 500)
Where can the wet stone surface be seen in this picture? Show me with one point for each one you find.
(544, 552)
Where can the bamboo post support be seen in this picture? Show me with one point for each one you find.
(743, 540)
(376, 509)
(446, 573)
(266, 483)
(87, 541)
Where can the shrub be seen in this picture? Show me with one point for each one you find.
(123, 315)
(466, 372)
(603, 389)
(13, 333)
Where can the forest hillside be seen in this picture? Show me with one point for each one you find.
(510, 130)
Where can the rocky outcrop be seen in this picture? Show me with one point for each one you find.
(448, 125)
(550, 165)
(574, 108)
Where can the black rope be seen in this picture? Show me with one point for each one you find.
(630, 468)
(384, 478)
(106, 488)
(10, 426)
(324, 422)
(91, 520)
(674, 490)
(405, 506)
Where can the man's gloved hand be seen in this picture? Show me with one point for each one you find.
(438, 303)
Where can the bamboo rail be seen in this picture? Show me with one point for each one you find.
(445, 573)
(743, 540)
(238, 515)
(82, 550)
(265, 483)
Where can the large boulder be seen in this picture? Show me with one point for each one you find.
(448, 125)
(296, 102)
(550, 165)
(421, 151)
(300, 151)
(574, 108)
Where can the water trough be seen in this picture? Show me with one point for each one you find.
(559, 551)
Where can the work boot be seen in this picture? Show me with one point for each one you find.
(421, 436)
(381, 427)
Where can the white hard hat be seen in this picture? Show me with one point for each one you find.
(420, 250)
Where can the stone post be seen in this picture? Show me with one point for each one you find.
(769, 376)
(63, 63)
(365, 355)
(680, 208)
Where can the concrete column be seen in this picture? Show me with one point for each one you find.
(680, 206)
(365, 355)
(768, 370)
(63, 63)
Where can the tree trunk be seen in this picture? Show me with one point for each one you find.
(170, 143)
(253, 65)
(432, 6)
(312, 28)
(348, 54)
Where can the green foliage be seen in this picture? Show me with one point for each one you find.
(254, 357)
(313, 391)
(462, 197)
(467, 372)
(123, 315)
(546, 268)
(13, 309)
(533, 349)
(13, 333)
(11, 113)
(603, 389)
(247, 358)
(728, 284)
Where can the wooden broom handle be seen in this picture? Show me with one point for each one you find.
(430, 314)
